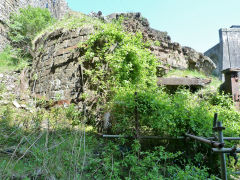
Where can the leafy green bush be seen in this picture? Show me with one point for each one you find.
(160, 113)
(24, 26)
(172, 115)
(121, 162)
(164, 114)
(119, 58)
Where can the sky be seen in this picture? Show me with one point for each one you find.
(193, 23)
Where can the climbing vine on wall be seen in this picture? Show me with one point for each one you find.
(118, 59)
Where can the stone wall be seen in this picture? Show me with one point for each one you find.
(58, 8)
(56, 70)
(215, 55)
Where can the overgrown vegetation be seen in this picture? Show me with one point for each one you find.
(10, 59)
(172, 115)
(57, 144)
(62, 150)
(122, 162)
(29, 152)
(115, 59)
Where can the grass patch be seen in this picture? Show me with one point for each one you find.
(72, 20)
(29, 151)
(10, 60)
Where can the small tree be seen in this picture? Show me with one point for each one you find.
(24, 26)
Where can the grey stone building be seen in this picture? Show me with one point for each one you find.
(226, 54)
(58, 8)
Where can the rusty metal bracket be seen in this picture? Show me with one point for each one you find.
(233, 153)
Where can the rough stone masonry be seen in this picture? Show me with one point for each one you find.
(56, 69)
(58, 8)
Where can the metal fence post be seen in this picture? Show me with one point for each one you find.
(136, 117)
(222, 155)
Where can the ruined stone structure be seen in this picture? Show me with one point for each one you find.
(171, 54)
(57, 7)
(226, 53)
(56, 70)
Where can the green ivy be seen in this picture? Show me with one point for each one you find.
(119, 59)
